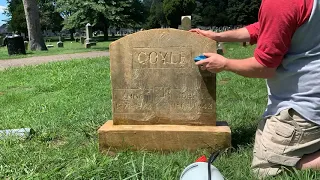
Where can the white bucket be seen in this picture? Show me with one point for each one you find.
(199, 171)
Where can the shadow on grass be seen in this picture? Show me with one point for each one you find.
(244, 134)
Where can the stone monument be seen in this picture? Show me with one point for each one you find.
(82, 39)
(160, 99)
(185, 23)
(60, 43)
(26, 45)
(89, 41)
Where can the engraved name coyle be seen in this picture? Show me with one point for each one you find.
(172, 57)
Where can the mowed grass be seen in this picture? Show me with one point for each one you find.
(66, 102)
(70, 47)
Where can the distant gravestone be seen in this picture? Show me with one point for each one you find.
(89, 39)
(88, 45)
(156, 85)
(244, 44)
(185, 23)
(60, 43)
(26, 44)
(82, 39)
(15, 45)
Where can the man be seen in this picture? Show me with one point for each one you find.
(288, 56)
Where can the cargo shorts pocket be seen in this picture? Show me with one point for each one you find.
(282, 135)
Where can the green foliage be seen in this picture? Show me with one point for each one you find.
(174, 9)
(243, 11)
(156, 17)
(212, 12)
(121, 13)
(49, 18)
(17, 21)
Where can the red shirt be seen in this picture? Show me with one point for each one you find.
(277, 22)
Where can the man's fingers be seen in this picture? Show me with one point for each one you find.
(193, 30)
(202, 62)
(208, 54)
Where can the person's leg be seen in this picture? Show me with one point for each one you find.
(282, 141)
(310, 161)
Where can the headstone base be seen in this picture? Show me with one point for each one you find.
(88, 45)
(60, 44)
(163, 137)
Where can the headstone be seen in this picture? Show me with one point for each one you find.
(1, 40)
(244, 44)
(88, 45)
(220, 49)
(89, 39)
(26, 44)
(82, 39)
(15, 45)
(159, 92)
(50, 46)
(185, 23)
(60, 43)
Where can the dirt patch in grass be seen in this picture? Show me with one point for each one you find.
(224, 81)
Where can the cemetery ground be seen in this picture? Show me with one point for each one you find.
(70, 47)
(66, 102)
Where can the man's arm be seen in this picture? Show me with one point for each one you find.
(237, 35)
(249, 67)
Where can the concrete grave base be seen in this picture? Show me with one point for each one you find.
(163, 137)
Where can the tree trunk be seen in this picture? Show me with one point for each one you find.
(36, 40)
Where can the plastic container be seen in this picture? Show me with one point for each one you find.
(23, 132)
(199, 171)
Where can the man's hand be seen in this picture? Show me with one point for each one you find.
(209, 34)
(214, 63)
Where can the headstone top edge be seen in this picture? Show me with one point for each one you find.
(163, 30)
(182, 17)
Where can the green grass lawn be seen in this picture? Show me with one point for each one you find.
(70, 47)
(66, 102)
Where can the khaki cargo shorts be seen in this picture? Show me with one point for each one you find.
(281, 141)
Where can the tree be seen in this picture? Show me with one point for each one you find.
(50, 19)
(17, 21)
(156, 17)
(36, 40)
(101, 13)
(174, 9)
(242, 12)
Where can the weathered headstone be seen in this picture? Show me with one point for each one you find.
(15, 45)
(159, 92)
(60, 43)
(220, 49)
(244, 44)
(26, 44)
(88, 45)
(89, 39)
(82, 39)
(185, 23)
